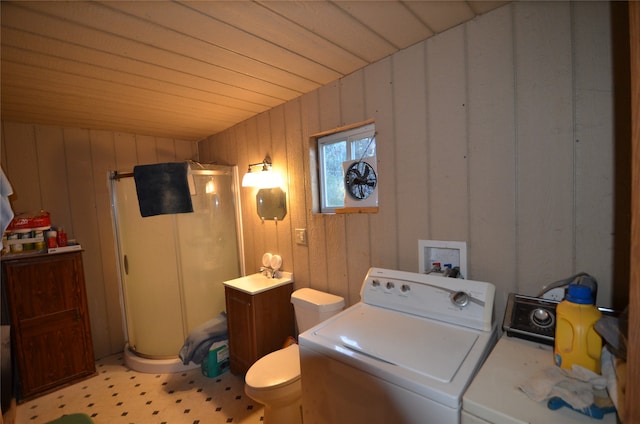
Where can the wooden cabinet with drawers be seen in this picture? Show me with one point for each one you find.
(258, 324)
(50, 330)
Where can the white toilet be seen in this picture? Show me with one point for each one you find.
(274, 380)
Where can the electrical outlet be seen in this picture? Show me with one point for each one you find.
(555, 294)
(301, 236)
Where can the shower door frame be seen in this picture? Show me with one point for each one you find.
(115, 175)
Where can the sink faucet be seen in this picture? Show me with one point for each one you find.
(269, 272)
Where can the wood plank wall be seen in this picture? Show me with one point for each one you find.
(497, 132)
(65, 171)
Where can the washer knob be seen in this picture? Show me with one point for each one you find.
(390, 285)
(375, 283)
(542, 318)
(541, 314)
(405, 288)
(460, 298)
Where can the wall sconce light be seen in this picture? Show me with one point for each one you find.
(271, 200)
(209, 187)
(264, 177)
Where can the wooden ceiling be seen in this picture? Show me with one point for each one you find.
(187, 70)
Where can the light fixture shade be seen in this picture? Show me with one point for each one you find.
(250, 179)
(269, 179)
(262, 179)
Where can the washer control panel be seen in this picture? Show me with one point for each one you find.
(456, 301)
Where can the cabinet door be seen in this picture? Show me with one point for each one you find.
(274, 320)
(241, 327)
(258, 324)
(50, 322)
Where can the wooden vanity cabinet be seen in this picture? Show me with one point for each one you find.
(50, 329)
(258, 324)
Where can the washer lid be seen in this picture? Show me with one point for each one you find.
(276, 369)
(427, 347)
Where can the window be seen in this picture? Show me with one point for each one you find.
(333, 150)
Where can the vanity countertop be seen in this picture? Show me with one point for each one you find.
(257, 283)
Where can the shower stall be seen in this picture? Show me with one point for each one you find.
(172, 266)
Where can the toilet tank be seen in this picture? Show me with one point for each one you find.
(312, 307)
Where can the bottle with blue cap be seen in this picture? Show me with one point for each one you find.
(576, 340)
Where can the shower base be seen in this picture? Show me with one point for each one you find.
(154, 366)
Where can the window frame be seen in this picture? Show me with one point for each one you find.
(349, 136)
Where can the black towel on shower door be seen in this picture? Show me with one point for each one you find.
(163, 188)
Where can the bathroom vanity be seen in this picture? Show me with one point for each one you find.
(50, 328)
(259, 317)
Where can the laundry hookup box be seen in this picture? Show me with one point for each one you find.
(217, 360)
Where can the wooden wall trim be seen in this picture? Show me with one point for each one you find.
(632, 407)
(342, 128)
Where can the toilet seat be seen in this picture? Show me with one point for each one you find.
(276, 369)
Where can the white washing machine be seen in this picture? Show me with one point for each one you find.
(404, 354)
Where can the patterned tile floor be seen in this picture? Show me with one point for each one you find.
(118, 395)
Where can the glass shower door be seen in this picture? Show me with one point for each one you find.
(150, 275)
(208, 247)
(173, 266)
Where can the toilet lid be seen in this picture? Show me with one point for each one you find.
(276, 369)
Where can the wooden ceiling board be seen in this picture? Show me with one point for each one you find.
(124, 82)
(139, 39)
(187, 70)
(332, 23)
(441, 15)
(77, 34)
(213, 32)
(63, 86)
(268, 25)
(83, 90)
(81, 56)
(79, 90)
(98, 115)
(107, 118)
(483, 6)
(105, 114)
(112, 120)
(392, 20)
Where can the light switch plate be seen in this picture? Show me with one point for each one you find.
(301, 236)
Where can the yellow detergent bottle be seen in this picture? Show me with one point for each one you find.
(576, 340)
